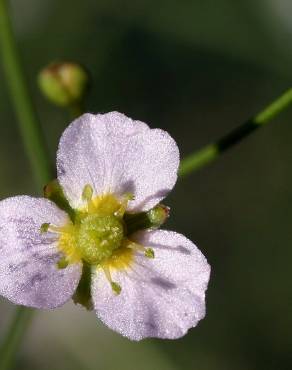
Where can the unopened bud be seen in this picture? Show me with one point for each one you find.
(64, 83)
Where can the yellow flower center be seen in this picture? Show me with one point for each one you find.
(98, 236)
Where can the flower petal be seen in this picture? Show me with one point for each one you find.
(115, 154)
(161, 297)
(28, 272)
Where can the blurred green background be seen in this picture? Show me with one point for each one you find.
(197, 69)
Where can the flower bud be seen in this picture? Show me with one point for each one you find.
(63, 83)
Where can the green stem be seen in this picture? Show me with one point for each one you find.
(14, 336)
(35, 147)
(210, 152)
(29, 125)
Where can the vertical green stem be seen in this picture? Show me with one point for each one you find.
(36, 150)
(29, 125)
(13, 337)
(210, 152)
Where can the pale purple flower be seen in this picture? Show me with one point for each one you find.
(100, 161)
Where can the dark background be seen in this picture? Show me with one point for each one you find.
(197, 69)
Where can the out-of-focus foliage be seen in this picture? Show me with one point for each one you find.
(197, 69)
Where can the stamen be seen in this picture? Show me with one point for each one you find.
(124, 204)
(115, 286)
(45, 227)
(87, 193)
(87, 197)
(56, 229)
(62, 263)
(148, 252)
(129, 196)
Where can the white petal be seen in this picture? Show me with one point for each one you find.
(161, 297)
(28, 272)
(115, 154)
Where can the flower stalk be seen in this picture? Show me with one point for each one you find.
(29, 126)
(209, 153)
(15, 332)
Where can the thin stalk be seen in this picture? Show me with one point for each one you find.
(14, 336)
(29, 126)
(209, 153)
(36, 150)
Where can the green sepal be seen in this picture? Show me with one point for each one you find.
(83, 292)
(55, 193)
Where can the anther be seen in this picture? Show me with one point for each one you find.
(62, 263)
(87, 193)
(148, 252)
(44, 227)
(129, 196)
(115, 286)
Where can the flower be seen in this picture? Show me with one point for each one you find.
(102, 248)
